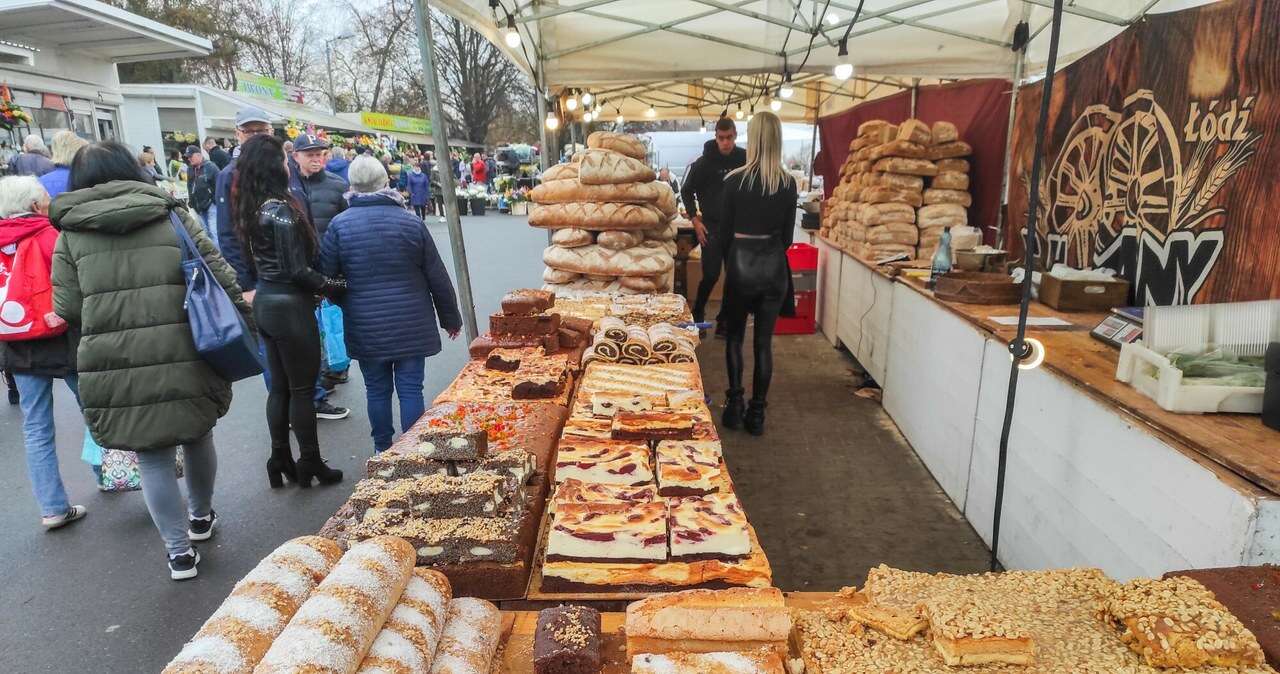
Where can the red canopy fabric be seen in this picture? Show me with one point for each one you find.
(978, 108)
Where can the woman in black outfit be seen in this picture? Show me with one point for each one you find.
(759, 209)
(281, 243)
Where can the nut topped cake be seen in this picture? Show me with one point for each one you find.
(567, 641)
(527, 301)
(479, 493)
(613, 532)
(688, 467)
(967, 629)
(604, 462)
(708, 527)
(446, 541)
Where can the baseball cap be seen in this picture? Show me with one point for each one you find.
(191, 150)
(251, 114)
(307, 141)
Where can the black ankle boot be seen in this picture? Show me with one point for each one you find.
(754, 420)
(311, 465)
(733, 407)
(280, 467)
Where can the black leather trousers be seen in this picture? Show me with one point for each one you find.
(756, 284)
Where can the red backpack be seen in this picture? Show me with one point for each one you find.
(26, 293)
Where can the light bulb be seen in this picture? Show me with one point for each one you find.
(553, 122)
(786, 91)
(513, 39)
(586, 117)
(775, 104)
(738, 114)
(844, 71)
(832, 18)
(650, 113)
(586, 98)
(750, 117)
(1033, 359)
(572, 103)
(619, 120)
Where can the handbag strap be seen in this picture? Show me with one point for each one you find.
(185, 243)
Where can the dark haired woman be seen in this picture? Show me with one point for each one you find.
(117, 278)
(281, 242)
(760, 213)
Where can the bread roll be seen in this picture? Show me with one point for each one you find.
(471, 635)
(956, 148)
(939, 215)
(550, 275)
(566, 191)
(602, 167)
(937, 196)
(619, 240)
(665, 232)
(872, 127)
(899, 148)
(333, 629)
(950, 180)
(237, 635)
(859, 143)
(623, 143)
(932, 231)
(944, 132)
(595, 217)
(881, 195)
(898, 181)
(915, 131)
(561, 172)
(953, 165)
(886, 134)
(408, 640)
(600, 261)
(644, 284)
(667, 201)
(915, 167)
(572, 237)
(894, 232)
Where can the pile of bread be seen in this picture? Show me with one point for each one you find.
(612, 220)
(308, 607)
(901, 185)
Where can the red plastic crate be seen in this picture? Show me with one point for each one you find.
(805, 322)
(803, 257)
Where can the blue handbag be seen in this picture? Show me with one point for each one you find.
(221, 337)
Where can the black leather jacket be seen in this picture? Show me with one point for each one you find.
(280, 255)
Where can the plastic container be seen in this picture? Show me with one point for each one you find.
(1158, 379)
(805, 322)
(803, 257)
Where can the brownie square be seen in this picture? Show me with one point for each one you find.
(570, 339)
(460, 540)
(567, 641)
(451, 445)
(504, 360)
(538, 386)
(527, 301)
(524, 326)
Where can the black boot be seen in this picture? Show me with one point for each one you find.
(754, 420)
(311, 465)
(733, 407)
(280, 467)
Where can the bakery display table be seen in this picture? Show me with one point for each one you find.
(1097, 474)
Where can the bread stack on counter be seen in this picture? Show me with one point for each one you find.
(612, 220)
(899, 188)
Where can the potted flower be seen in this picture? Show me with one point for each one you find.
(11, 114)
(520, 201)
(463, 199)
(479, 198)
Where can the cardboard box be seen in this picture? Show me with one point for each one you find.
(1083, 295)
(693, 276)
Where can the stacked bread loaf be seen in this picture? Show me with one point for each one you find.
(612, 220)
(900, 186)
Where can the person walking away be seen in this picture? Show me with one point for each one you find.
(437, 192)
(322, 195)
(479, 172)
(703, 185)
(65, 145)
(117, 277)
(490, 169)
(37, 349)
(217, 155)
(760, 214)
(419, 188)
(33, 160)
(338, 162)
(273, 226)
(397, 288)
(203, 182)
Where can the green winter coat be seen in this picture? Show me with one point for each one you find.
(117, 275)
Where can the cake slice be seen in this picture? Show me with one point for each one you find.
(399, 465)
(609, 403)
(608, 532)
(603, 461)
(744, 620)
(446, 541)
(527, 302)
(968, 629)
(579, 427)
(454, 445)
(708, 527)
(524, 326)
(899, 623)
(517, 463)
(567, 641)
(652, 425)
(758, 662)
(577, 491)
(478, 494)
(688, 467)
(507, 360)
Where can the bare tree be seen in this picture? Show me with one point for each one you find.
(280, 39)
(476, 79)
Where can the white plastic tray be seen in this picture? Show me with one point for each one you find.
(1157, 378)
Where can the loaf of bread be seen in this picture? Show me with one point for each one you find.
(737, 619)
(408, 641)
(937, 196)
(595, 216)
(942, 215)
(618, 239)
(600, 261)
(333, 629)
(953, 165)
(898, 181)
(894, 232)
(899, 148)
(566, 191)
(667, 201)
(860, 142)
(602, 167)
(550, 275)
(956, 148)
(665, 232)
(872, 127)
(944, 132)
(623, 143)
(572, 237)
(915, 167)
(950, 180)
(561, 172)
(883, 195)
(879, 250)
(235, 637)
(470, 640)
(640, 284)
(915, 131)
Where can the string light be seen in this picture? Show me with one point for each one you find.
(586, 98)
(775, 104)
(619, 120)
(553, 122)
(832, 18)
(586, 117)
(510, 34)
(738, 113)
(785, 90)
(650, 113)
(572, 103)
(844, 69)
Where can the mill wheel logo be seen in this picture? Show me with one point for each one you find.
(1119, 194)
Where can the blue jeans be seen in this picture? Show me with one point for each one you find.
(209, 218)
(36, 400)
(381, 377)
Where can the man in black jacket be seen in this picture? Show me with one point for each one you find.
(203, 181)
(318, 190)
(701, 194)
(217, 155)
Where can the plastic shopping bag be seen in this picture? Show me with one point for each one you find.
(331, 332)
(90, 452)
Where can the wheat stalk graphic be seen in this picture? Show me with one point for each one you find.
(1236, 156)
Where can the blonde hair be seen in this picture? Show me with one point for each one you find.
(65, 146)
(764, 154)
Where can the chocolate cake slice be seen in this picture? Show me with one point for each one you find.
(398, 465)
(446, 541)
(567, 641)
(481, 493)
(538, 386)
(527, 301)
(517, 463)
(454, 445)
(524, 326)
(505, 360)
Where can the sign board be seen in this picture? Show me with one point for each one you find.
(395, 123)
(268, 87)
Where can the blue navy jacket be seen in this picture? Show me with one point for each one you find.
(229, 243)
(338, 166)
(322, 194)
(397, 285)
(55, 181)
(419, 186)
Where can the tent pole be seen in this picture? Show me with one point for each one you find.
(915, 94)
(813, 146)
(440, 131)
(1019, 59)
(544, 158)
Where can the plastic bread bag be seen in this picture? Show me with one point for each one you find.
(1219, 367)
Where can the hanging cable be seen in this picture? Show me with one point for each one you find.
(1020, 349)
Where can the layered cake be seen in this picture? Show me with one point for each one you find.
(967, 630)
(524, 326)
(527, 302)
(743, 620)
(448, 540)
(758, 662)
(652, 425)
(567, 641)
(577, 491)
(517, 464)
(610, 532)
(604, 462)
(708, 527)
(484, 344)
(482, 492)
(453, 445)
(688, 467)
(608, 403)
(581, 427)
(391, 465)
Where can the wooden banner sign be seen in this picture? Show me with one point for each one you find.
(1162, 159)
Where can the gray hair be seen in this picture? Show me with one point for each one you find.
(34, 143)
(65, 146)
(18, 195)
(367, 175)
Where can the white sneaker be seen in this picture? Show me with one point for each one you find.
(183, 566)
(73, 513)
